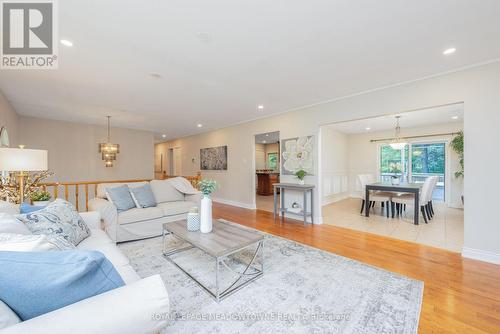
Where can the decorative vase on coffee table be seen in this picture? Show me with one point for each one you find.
(206, 215)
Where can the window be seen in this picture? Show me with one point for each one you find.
(272, 161)
(415, 163)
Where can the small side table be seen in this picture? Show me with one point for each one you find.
(304, 188)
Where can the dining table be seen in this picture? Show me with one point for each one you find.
(408, 187)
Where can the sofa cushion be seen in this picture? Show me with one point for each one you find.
(96, 239)
(7, 316)
(120, 197)
(138, 215)
(7, 207)
(128, 274)
(59, 218)
(164, 191)
(32, 242)
(10, 224)
(176, 208)
(101, 187)
(112, 253)
(143, 196)
(35, 283)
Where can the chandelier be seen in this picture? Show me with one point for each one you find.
(397, 142)
(108, 150)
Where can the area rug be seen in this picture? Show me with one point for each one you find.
(303, 290)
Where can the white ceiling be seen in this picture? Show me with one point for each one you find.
(267, 138)
(431, 116)
(220, 59)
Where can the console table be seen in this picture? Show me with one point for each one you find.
(304, 188)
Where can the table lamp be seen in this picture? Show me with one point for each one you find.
(21, 161)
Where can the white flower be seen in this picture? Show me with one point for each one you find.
(298, 154)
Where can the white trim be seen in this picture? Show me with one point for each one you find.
(327, 200)
(481, 255)
(235, 203)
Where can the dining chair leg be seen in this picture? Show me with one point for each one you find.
(404, 207)
(398, 209)
(362, 206)
(392, 208)
(373, 204)
(432, 207)
(427, 210)
(387, 208)
(423, 214)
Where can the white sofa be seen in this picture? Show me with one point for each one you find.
(138, 307)
(138, 223)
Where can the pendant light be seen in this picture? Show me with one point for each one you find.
(108, 150)
(397, 142)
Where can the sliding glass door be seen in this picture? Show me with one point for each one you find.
(416, 162)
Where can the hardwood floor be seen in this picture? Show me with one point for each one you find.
(460, 295)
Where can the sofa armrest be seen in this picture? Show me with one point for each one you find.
(109, 215)
(140, 307)
(196, 198)
(92, 219)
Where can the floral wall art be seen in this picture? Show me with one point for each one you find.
(297, 154)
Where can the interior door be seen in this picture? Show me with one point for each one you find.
(177, 161)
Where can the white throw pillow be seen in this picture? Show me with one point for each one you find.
(7, 316)
(32, 243)
(10, 224)
(6, 207)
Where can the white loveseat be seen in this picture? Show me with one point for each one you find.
(139, 223)
(133, 308)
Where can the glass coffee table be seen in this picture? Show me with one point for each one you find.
(225, 239)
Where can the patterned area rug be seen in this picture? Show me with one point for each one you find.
(303, 290)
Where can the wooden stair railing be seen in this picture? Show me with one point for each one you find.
(73, 188)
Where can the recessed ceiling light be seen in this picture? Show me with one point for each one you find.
(199, 125)
(267, 134)
(449, 51)
(261, 107)
(65, 42)
(454, 117)
(263, 142)
(164, 136)
(368, 128)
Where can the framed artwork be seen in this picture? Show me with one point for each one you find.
(297, 153)
(272, 161)
(213, 158)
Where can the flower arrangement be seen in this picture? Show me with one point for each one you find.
(395, 168)
(40, 196)
(207, 186)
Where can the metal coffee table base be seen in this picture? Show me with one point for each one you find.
(247, 276)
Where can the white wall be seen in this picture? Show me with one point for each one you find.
(476, 87)
(73, 150)
(10, 120)
(334, 165)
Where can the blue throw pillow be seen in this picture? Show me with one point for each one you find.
(143, 196)
(120, 197)
(28, 208)
(35, 283)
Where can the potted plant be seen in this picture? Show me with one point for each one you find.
(457, 145)
(301, 174)
(395, 169)
(40, 198)
(207, 187)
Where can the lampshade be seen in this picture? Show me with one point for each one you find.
(22, 160)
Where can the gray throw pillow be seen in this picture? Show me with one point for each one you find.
(60, 219)
(143, 196)
(120, 197)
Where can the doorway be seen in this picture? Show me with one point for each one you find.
(267, 168)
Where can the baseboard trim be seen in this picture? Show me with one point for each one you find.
(328, 201)
(481, 255)
(234, 203)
